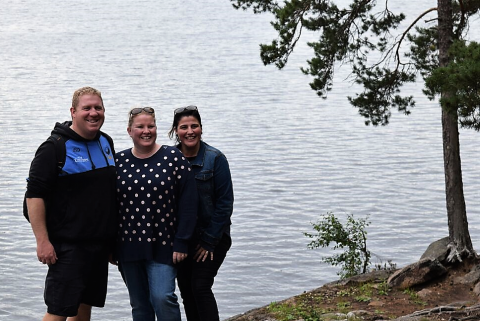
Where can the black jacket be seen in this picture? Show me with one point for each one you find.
(81, 199)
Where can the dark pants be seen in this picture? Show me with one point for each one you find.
(195, 280)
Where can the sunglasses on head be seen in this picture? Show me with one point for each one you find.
(182, 109)
(138, 110)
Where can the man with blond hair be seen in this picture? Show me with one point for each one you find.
(71, 208)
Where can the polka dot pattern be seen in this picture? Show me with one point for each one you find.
(146, 192)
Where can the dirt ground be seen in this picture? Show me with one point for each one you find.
(381, 302)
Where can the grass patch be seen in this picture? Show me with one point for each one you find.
(313, 306)
(414, 297)
(362, 298)
(306, 307)
(383, 288)
(343, 306)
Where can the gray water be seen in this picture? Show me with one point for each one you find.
(293, 156)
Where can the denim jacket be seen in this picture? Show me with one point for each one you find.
(215, 190)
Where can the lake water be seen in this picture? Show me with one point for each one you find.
(293, 156)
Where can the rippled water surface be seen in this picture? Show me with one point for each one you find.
(292, 155)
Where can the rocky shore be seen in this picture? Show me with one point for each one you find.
(430, 289)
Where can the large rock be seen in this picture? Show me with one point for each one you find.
(373, 276)
(471, 277)
(437, 250)
(416, 273)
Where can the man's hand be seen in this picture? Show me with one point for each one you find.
(46, 253)
(36, 211)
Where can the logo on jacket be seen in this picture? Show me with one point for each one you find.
(107, 150)
(80, 159)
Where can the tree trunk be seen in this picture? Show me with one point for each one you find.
(460, 242)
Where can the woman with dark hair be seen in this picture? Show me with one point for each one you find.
(211, 240)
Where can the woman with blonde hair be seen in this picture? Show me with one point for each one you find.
(157, 201)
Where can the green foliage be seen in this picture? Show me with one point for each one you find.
(383, 288)
(366, 289)
(424, 50)
(365, 293)
(324, 305)
(295, 311)
(461, 78)
(284, 311)
(347, 292)
(381, 88)
(362, 35)
(258, 6)
(343, 306)
(351, 237)
(414, 296)
(363, 298)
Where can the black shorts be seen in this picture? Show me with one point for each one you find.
(79, 276)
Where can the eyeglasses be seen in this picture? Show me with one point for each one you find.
(182, 109)
(138, 110)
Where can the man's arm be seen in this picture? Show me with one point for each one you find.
(36, 211)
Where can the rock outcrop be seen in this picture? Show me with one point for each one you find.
(448, 291)
(417, 273)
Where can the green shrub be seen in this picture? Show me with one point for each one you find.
(351, 238)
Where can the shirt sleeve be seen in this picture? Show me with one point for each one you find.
(43, 172)
(187, 206)
(223, 204)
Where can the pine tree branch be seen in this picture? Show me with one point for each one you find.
(397, 53)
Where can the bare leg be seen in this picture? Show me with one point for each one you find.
(53, 317)
(84, 313)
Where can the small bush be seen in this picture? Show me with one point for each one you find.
(351, 237)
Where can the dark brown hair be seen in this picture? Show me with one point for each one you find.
(176, 120)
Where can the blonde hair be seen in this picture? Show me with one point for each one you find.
(85, 91)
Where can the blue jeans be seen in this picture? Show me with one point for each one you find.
(151, 287)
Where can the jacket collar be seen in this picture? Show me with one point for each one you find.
(200, 158)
